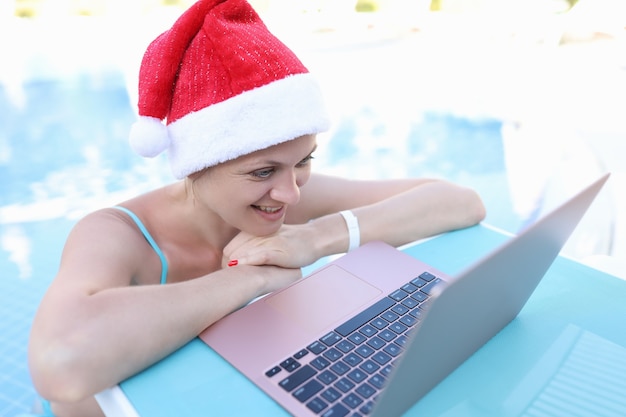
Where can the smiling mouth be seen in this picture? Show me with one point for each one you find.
(269, 210)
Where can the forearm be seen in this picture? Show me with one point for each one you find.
(425, 210)
(101, 339)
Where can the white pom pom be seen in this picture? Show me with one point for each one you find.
(149, 137)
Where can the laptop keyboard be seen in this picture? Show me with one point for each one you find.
(342, 373)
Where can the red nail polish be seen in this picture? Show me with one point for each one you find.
(233, 262)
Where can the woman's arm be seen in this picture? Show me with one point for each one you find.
(93, 329)
(394, 211)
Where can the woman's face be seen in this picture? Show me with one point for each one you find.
(252, 193)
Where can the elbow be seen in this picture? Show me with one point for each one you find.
(475, 211)
(478, 212)
(466, 209)
(458, 207)
(57, 377)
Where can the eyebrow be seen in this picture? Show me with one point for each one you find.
(277, 163)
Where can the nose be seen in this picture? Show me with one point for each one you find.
(287, 189)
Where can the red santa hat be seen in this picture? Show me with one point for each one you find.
(224, 86)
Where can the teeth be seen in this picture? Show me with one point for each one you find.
(268, 209)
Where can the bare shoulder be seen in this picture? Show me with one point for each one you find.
(104, 225)
(104, 249)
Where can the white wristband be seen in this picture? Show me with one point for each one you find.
(353, 229)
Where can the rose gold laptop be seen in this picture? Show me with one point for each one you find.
(332, 343)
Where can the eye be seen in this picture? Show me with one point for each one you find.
(262, 173)
(305, 161)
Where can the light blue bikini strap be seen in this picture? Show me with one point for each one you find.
(151, 241)
(47, 408)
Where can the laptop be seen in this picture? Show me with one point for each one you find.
(373, 331)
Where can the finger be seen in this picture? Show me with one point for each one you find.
(265, 257)
(257, 259)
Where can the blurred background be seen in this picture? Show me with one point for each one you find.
(522, 100)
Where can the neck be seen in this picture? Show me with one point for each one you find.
(198, 224)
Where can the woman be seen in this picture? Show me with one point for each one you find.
(242, 115)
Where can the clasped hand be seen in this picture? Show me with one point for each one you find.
(287, 248)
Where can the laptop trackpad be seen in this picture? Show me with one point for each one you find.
(327, 297)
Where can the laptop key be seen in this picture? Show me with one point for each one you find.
(390, 316)
(379, 323)
(308, 390)
(297, 378)
(317, 405)
(387, 335)
(330, 339)
(392, 349)
(419, 296)
(401, 340)
(344, 346)
(418, 282)
(365, 316)
(398, 327)
(381, 357)
(377, 380)
(368, 330)
(340, 368)
(344, 385)
(369, 366)
(408, 320)
(327, 377)
(352, 359)
(427, 276)
(352, 400)
(273, 371)
(337, 410)
(400, 309)
(399, 295)
(331, 395)
(376, 343)
(319, 363)
(365, 390)
(386, 370)
(290, 364)
(410, 302)
(417, 313)
(316, 347)
(428, 288)
(332, 354)
(300, 354)
(367, 407)
(357, 375)
(364, 351)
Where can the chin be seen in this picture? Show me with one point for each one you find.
(265, 229)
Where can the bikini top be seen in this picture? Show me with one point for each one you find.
(150, 240)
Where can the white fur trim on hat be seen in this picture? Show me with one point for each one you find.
(253, 120)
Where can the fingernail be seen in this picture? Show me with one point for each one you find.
(233, 262)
